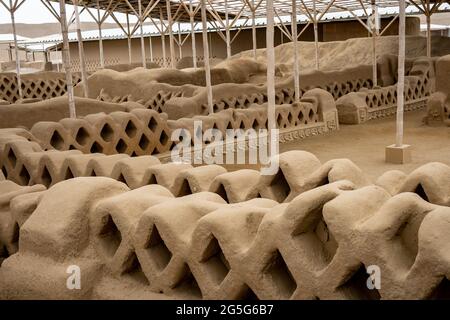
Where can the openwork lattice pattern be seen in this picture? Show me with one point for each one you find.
(33, 88)
(39, 156)
(139, 132)
(316, 246)
(382, 102)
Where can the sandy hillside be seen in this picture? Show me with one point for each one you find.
(342, 54)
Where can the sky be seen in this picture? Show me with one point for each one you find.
(33, 11)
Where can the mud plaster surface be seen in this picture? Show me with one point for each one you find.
(365, 144)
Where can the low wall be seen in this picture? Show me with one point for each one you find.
(41, 85)
(358, 107)
(38, 156)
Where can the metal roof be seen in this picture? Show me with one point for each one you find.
(159, 8)
(240, 7)
(150, 30)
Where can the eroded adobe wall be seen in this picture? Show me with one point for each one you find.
(438, 106)
(367, 104)
(41, 85)
(316, 245)
(98, 142)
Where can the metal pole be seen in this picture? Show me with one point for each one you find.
(129, 39)
(172, 49)
(65, 58)
(316, 35)
(294, 40)
(81, 51)
(255, 45)
(374, 44)
(141, 22)
(16, 49)
(270, 52)
(194, 49)
(401, 74)
(100, 37)
(206, 57)
(227, 30)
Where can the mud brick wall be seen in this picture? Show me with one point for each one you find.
(315, 245)
(43, 85)
(358, 107)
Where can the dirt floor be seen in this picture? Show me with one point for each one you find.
(365, 144)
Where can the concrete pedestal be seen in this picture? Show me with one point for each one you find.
(398, 155)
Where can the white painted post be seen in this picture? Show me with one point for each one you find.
(401, 74)
(100, 37)
(374, 44)
(163, 38)
(172, 49)
(25, 46)
(206, 57)
(194, 49)
(129, 39)
(295, 43)
(65, 58)
(255, 46)
(12, 9)
(141, 22)
(180, 45)
(10, 52)
(428, 16)
(150, 47)
(227, 30)
(316, 35)
(81, 51)
(270, 52)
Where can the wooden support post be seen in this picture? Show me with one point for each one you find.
(428, 16)
(163, 38)
(316, 35)
(81, 51)
(26, 52)
(65, 59)
(100, 37)
(206, 57)
(374, 44)
(270, 52)
(150, 47)
(12, 9)
(400, 153)
(180, 44)
(141, 27)
(10, 52)
(129, 39)
(401, 74)
(255, 45)
(227, 30)
(295, 43)
(172, 49)
(194, 48)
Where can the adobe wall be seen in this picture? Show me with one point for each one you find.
(209, 244)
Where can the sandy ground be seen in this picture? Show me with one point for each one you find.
(365, 144)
